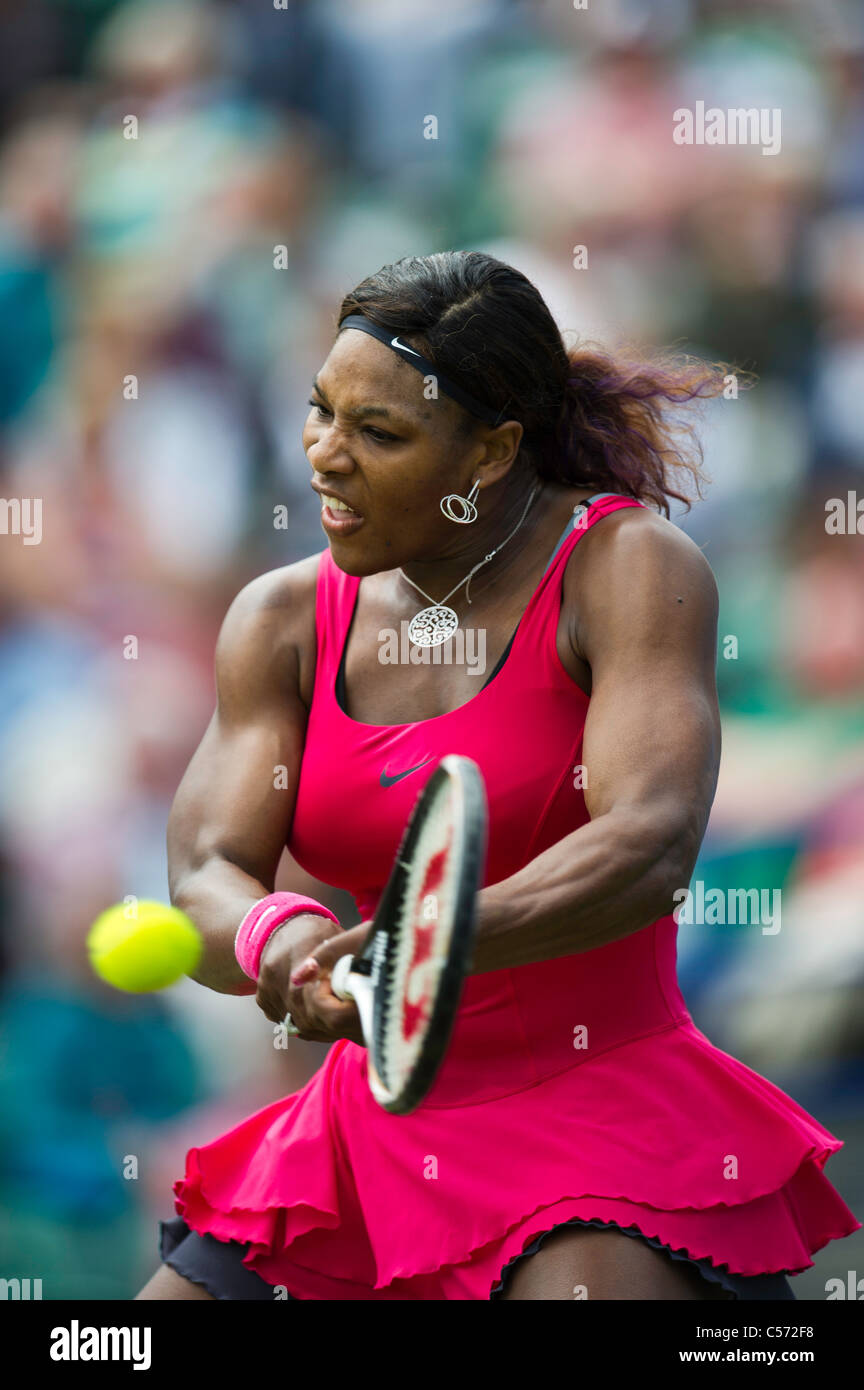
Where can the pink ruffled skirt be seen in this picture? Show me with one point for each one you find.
(663, 1135)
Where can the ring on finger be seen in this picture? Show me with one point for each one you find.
(290, 1026)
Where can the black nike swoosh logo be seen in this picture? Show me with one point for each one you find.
(388, 781)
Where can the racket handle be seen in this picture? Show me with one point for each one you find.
(339, 977)
(359, 988)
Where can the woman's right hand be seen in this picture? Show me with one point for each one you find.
(287, 948)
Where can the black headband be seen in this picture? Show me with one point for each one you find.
(416, 359)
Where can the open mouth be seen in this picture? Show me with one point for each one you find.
(336, 507)
(337, 518)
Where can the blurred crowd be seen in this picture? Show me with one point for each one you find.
(187, 189)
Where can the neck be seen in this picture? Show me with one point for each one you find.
(475, 540)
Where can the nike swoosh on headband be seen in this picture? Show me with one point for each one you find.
(387, 781)
(422, 364)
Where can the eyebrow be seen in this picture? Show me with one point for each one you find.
(360, 412)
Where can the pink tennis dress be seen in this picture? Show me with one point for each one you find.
(577, 1089)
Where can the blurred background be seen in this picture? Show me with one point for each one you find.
(302, 128)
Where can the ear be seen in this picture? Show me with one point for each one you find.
(496, 452)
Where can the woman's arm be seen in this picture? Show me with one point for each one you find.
(645, 620)
(232, 814)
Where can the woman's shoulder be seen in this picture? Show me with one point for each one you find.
(629, 570)
(289, 588)
(273, 616)
(639, 540)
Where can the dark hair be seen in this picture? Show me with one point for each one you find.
(590, 417)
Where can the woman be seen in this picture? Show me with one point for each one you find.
(583, 1138)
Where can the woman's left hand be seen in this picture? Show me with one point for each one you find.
(326, 1017)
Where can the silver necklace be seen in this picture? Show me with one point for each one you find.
(434, 625)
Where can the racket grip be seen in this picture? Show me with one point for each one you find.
(339, 977)
(359, 989)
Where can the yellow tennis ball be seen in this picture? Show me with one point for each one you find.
(143, 946)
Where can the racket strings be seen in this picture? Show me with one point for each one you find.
(417, 952)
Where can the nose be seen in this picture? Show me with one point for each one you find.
(328, 453)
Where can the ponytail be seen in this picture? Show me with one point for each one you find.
(620, 427)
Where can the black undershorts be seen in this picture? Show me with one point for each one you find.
(218, 1265)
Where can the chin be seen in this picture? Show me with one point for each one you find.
(357, 560)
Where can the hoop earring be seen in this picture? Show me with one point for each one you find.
(469, 511)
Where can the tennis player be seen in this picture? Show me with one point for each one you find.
(583, 1137)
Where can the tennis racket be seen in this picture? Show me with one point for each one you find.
(407, 978)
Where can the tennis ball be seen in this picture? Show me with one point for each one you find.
(143, 946)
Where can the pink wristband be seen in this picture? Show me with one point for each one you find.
(261, 921)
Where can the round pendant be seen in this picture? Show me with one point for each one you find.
(432, 626)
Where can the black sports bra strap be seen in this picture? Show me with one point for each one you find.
(569, 527)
